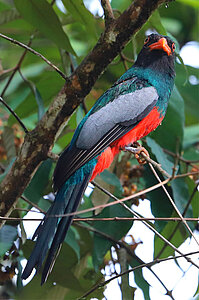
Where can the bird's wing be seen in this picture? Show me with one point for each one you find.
(102, 127)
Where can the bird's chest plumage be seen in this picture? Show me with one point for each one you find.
(144, 127)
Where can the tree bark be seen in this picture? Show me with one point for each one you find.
(38, 142)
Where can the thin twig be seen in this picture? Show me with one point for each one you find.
(108, 12)
(135, 219)
(149, 160)
(14, 114)
(34, 52)
(84, 106)
(17, 67)
(127, 58)
(176, 159)
(124, 62)
(100, 285)
(187, 161)
(111, 219)
(19, 219)
(33, 204)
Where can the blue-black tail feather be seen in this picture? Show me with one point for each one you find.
(63, 227)
(52, 230)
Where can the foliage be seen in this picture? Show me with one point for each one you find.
(65, 36)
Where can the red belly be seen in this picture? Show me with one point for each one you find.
(144, 127)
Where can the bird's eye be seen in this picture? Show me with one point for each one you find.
(146, 40)
(173, 47)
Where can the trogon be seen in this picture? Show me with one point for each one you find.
(134, 106)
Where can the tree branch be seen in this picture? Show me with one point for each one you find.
(38, 142)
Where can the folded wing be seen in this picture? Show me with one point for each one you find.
(105, 125)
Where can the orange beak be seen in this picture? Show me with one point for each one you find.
(161, 45)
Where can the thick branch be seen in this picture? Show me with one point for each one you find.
(38, 142)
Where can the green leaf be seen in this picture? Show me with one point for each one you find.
(98, 197)
(70, 277)
(189, 91)
(7, 237)
(2, 176)
(181, 195)
(111, 178)
(41, 15)
(191, 135)
(19, 280)
(120, 5)
(160, 204)
(79, 114)
(8, 15)
(177, 239)
(81, 14)
(195, 200)
(161, 156)
(33, 290)
(139, 279)
(72, 241)
(30, 71)
(8, 142)
(170, 134)
(39, 100)
(193, 3)
(191, 153)
(172, 25)
(39, 182)
(40, 103)
(197, 292)
(65, 263)
(29, 106)
(155, 22)
(114, 229)
(62, 272)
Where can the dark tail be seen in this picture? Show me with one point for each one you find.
(52, 230)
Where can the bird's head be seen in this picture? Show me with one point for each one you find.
(158, 53)
(158, 42)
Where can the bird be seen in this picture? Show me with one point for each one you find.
(134, 106)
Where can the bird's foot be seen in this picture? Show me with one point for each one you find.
(137, 149)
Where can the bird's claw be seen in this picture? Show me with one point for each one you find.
(137, 149)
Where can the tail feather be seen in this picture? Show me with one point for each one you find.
(62, 229)
(51, 231)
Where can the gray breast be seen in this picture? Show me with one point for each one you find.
(124, 108)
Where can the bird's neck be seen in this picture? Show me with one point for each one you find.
(162, 81)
